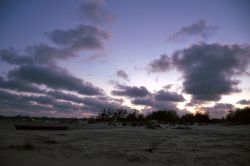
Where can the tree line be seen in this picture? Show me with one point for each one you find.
(171, 116)
(238, 116)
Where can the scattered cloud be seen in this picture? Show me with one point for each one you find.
(161, 99)
(53, 78)
(97, 104)
(22, 103)
(94, 11)
(130, 91)
(11, 56)
(219, 110)
(244, 102)
(55, 102)
(122, 74)
(198, 29)
(164, 95)
(160, 65)
(90, 104)
(65, 96)
(153, 103)
(37, 54)
(19, 86)
(168, 86)
(194, 102)
(209, 70)
(37, 66)
(82, 37)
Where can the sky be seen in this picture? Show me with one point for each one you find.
(64, 58)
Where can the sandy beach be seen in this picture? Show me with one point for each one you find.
(102, 144)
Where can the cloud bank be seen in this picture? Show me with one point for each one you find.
(37, 85)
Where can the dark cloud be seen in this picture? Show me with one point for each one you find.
(12, 100)
(37, 66)
(36, 54)
(219, 110)
(94, 11)
(20, 86)
(90, 104)
(167, 87)
(130, 91)
(82, 37)
(54, 78)
(209, 70)
(198, 29)
(162, 99)
(66, 96)
(153, 103)
(45, 54)
(28, 104)
(159, 100)
(97, 104)
(143, 101)
(244, 102)
(52, 104)
(194, 103)
(122, 74)
(11, 56)
(160, 65)
(164, 95)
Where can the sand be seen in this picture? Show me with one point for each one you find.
(101, 144)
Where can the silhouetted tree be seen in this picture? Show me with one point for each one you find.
(135, 116)
(187, 118)
(164, 116)
(112, 115)
(105, 115)
(120, 114)
(201, 117)
(239, 115)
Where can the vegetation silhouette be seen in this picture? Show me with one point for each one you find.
(164, 116)
(239, 116)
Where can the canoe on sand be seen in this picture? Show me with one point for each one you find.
(40, 127)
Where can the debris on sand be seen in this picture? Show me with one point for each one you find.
(183, 128)
(149, 150)
(27, 146)
(51, 141)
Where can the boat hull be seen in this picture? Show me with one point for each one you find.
(31, 127)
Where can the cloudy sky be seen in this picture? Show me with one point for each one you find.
(75, 58)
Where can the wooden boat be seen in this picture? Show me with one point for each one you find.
(40, 127)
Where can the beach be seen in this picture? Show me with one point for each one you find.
(103, 144)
